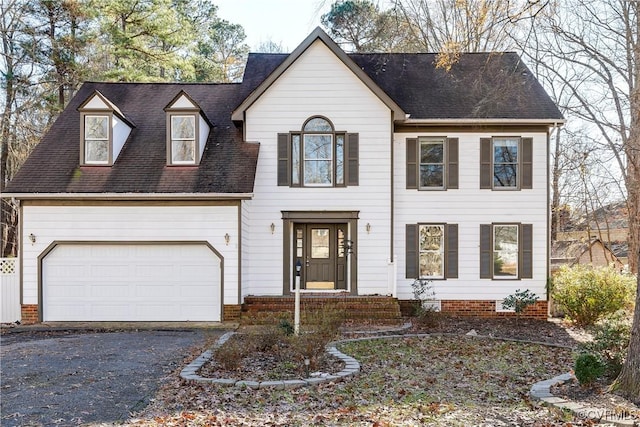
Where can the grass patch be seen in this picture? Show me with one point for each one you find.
(440, 381)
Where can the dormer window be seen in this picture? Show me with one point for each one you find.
(183, 139)
(97, 139)
(103, 131)
(187, 131)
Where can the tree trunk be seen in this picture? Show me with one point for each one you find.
(555, 189)
(628, 382)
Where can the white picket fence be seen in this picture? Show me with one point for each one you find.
(9, 290)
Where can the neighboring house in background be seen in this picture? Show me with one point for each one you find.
(593, 252)
(175, 202)
(609, 223)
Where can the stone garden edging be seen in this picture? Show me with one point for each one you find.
(189, 373)
(540, 390)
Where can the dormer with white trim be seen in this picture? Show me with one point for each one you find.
(103, 131)
(187, 131)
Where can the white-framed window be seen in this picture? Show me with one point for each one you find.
(432, 163)
(505, 153)
(431, 249)
(183, 137)
(506, 248)
(97, 139)
(317, 155)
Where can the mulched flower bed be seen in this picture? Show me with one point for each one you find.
(276, 363)
(441, 380)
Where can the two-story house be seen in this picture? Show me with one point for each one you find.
(362, 172)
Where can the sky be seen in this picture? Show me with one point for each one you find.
(285, 22)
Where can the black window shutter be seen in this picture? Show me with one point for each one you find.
(284, 176)
(526, 164)
(486, 260)
(486, 175)
(411, 250)
(452, 163)
(451, 263)
(526, 251)
(353, 150)
(412, 163)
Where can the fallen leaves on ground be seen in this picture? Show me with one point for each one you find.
(437, 380)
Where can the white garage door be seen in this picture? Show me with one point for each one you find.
(131, 282)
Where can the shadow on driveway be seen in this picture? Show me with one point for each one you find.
(90, 377)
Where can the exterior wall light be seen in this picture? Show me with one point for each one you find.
(273, 228)
(32, 238)
(227, 238)
(368, 228)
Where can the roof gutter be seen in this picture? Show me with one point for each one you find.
(129, 196)
(549, 122)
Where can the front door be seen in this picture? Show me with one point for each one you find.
(320, 248)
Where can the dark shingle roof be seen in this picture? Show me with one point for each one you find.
(478, 85)
(228, 165)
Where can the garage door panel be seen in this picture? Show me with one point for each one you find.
(110, 270)
(108, 290)
(192, 291)
(153, 290)
(70, 290)
(131, 282)
(152, 270)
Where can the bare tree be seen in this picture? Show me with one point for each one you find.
(19, 90)
(593, 47)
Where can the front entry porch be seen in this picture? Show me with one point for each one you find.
(320, 250)
(363, 308)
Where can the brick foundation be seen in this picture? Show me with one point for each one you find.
(231, 313)
(479, 308)
(29, 314)
(358, 308)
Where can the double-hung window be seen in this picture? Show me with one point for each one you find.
(187, 131)
(318, 156)
(103, 131)
(431, 251)
(183, 139)
(506, 163)
(97, 135)
(431, 247)
(506, 251)
(432, 163)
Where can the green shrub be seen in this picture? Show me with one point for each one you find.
(588, 368)
(610, 342)
(519, 301)
(286, 327)
(587, 294)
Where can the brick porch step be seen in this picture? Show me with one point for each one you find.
(379, 309)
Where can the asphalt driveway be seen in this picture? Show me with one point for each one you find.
(80, 378)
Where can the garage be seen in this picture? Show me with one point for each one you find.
(131, 282)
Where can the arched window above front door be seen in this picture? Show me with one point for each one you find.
(318, 156)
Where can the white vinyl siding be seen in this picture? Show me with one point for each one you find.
(319, 84)
(129, 223)
(469, 207)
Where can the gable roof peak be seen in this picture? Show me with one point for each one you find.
(108, 105)
(318, 34)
